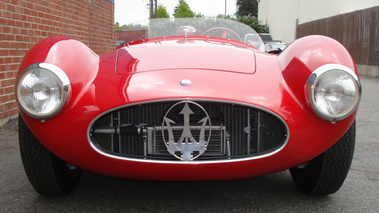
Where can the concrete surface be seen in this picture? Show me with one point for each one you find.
(271, 193)
(6, 120)
(368, 71)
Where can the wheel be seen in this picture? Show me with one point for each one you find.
(326, 173)
(48, 174)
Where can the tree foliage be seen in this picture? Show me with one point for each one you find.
(133, 27)
(117, 26)
(162, 12)
(182, 10)
(247, 7)
(199, 15)
(253, 22)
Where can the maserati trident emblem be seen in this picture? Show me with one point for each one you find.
(189, 123)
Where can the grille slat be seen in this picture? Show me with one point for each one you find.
(237, 129)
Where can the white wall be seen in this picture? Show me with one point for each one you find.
(281, 15)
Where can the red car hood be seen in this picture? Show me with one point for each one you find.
(185, 54)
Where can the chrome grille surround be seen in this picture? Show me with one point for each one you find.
(149, 130)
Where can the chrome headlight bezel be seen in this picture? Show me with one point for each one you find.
(316, 76)
(62, 80)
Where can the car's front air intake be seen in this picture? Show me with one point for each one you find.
(188, 130)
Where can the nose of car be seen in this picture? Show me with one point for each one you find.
(169, 55)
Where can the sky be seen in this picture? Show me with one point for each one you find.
(130, 11)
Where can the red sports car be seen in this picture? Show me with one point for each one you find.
(195, 100)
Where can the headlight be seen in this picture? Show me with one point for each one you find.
(42, 90)
(334, 91)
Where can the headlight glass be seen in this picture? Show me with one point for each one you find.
(334, 92)
(42, 90)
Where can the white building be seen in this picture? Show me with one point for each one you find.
(282, 16)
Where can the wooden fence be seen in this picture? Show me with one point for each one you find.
(357, 31)
(130, 35)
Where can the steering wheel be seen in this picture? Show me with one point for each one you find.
(225, 32)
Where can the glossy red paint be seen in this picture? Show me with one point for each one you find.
(315, 51)
(97, 87)
(39, 51)
(195, 53)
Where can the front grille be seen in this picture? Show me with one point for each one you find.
(234, 130)
(215, 147)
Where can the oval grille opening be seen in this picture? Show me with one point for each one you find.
(188, 130)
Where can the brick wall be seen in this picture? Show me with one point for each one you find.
(25, 22)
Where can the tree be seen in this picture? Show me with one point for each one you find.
(162, 12)
(117, 26)
(221, 16)
(246, 7)
(253, 23)
(199, 15)
(182, 10)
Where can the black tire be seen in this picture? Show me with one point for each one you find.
(326, 173)
(48, 174)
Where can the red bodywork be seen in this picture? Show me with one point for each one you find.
(219, 70)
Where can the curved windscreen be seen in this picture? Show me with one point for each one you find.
(194, 26)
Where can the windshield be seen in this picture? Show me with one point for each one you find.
(222, 28)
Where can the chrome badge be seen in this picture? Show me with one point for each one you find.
(185, 82)
(186, 125)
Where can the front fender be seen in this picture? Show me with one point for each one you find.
(304, 56)
(79, 62)
(315, 51)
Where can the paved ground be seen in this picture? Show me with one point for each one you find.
(272, 193)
